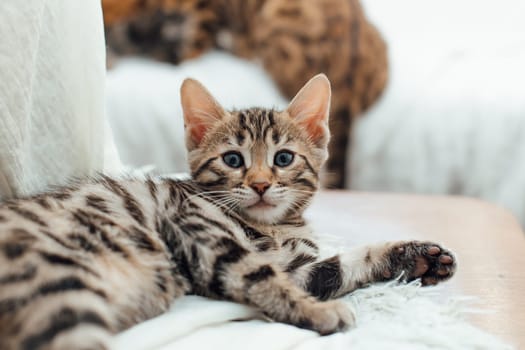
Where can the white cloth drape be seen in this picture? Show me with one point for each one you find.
(389, 316)
(52, 78)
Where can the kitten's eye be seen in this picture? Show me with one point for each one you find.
(283, 158)
(233, 159)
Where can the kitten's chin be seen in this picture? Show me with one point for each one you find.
(265, 213)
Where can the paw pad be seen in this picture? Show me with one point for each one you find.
(428, 261)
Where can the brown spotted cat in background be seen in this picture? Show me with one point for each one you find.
(84, 262)
(293, 39)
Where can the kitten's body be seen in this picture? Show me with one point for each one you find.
(292, 39)
(119, 252)
(85, 262)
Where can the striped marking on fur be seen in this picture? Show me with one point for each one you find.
(261, 241)
(152, 188)
(267, 128)
(173, 245)
(306, 183)
(60, 260)
(295, 241)
(161, 281)
(309, 243)
(309, 165)
(27, 214)
(174, 191)
(190, 228)
(61, 195)
(20, 244)
(292, 242)
(43, 202)
(82, 242)
(275, 137)
(203, 167)
(130, 203)
(142, 240)
(110, 244)
(213, 223)
(93, 222)
(299, 261)
(233, 254)
(63, 285)
(57, 240)
(325, 278)
(97, 203)
(14, 250)
(63, 320)
(261, 274)
(219, 182)
(239, 136)
(27, 273)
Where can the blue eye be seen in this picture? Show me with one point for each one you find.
(233, 159)
(283, 158)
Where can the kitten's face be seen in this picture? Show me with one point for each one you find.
(262, 163)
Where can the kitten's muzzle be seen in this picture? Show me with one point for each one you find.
(260, 187)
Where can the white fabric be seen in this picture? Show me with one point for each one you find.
(452, 119)
(389, 316)
(52, 77)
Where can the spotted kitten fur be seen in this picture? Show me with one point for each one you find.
(85, 262)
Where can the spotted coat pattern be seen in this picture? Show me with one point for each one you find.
(84, 262)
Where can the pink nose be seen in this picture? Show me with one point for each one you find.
(260, 187)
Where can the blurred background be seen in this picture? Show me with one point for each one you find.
(450, 120)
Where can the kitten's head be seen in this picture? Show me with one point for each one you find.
(263, 163)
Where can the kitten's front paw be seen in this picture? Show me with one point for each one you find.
(328, 317)
(426, 260)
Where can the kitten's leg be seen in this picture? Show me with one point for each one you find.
(346, 272)
(246, 277)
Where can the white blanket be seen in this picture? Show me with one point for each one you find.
(389, 316)
(452, 119)
(52, 78)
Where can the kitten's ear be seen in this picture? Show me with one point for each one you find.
(310, 109)
(201, 111)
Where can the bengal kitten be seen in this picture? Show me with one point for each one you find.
(292, 39)
(87, 261)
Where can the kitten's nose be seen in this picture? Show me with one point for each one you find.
(260, 187)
